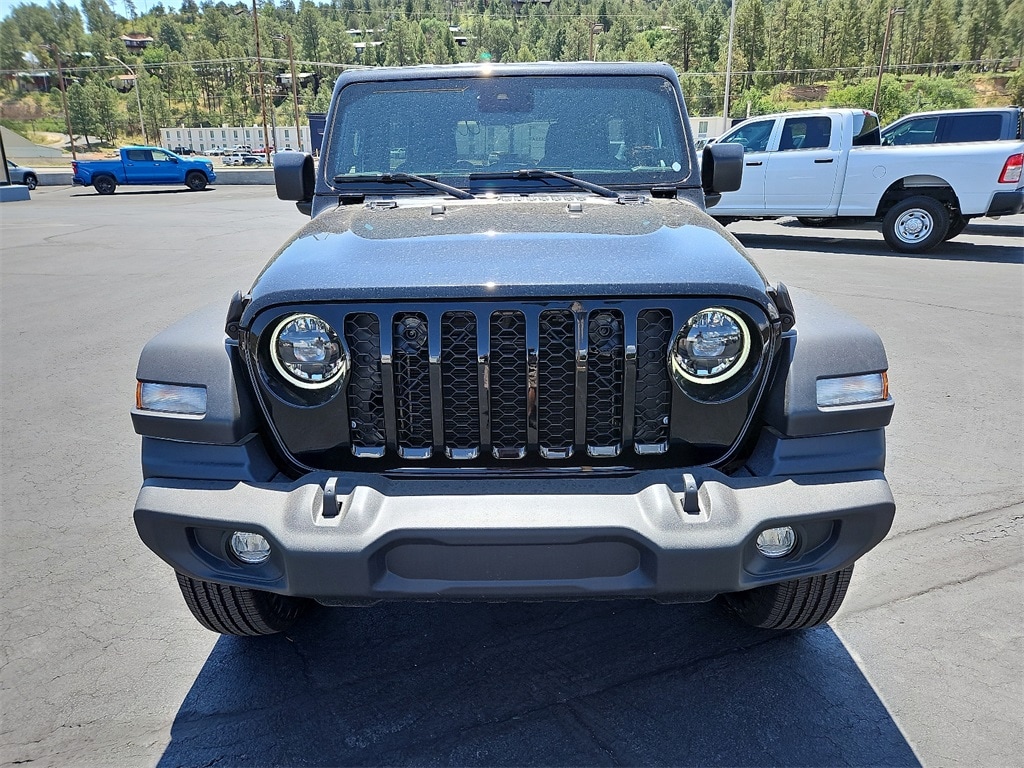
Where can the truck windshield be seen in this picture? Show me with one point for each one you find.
(611, 130)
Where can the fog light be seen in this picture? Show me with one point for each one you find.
(250, 548)
(776, 542)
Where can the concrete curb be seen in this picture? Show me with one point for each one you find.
(225, 176)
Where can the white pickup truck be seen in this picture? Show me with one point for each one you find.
(826, 164)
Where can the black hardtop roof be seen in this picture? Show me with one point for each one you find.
(484, 69)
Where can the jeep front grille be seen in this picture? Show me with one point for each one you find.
(509, 382)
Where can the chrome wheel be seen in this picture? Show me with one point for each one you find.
(914, 226)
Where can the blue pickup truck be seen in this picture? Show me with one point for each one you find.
(143, 165)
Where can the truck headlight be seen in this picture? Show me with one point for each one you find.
(710, 348)
(308, 352)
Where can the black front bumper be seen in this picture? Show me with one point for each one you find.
(486, 538)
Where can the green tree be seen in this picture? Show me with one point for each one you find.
(81, 112)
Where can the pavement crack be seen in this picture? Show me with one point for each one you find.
(955, 521)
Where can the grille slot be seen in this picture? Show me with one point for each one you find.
(508, 384)
(556, 383)
(653, 385)
(553, 382)
(411, 361)
(365, 388)
(460, 383)
(605, 379)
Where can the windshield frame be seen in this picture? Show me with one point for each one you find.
(503, 179)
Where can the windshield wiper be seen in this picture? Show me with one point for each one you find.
(533, 173)
(403, 178)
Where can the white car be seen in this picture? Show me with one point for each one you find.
(243, 158)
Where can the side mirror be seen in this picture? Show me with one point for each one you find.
(294, 177)
(721, 171)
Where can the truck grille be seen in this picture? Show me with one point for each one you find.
(509, 382)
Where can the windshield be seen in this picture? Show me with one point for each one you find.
(611, 130)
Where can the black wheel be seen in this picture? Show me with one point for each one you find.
(916, 224)
(956, 226)
(796, 604)
(196, 181)
(104, 185)
(816, 221)
(31, 181)
(238, 610)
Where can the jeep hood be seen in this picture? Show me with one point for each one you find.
(508, 248)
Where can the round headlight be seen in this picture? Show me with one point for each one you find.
(712, 346)
(308, 352)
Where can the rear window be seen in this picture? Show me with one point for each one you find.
(865, 130)
(976, 127)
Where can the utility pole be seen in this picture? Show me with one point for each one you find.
(885, 51)
(728, 64)
(259, 74)
(63, 97)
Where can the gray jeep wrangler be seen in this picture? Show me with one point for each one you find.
(511, 357)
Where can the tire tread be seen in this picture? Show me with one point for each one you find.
(238, 610)
(795, 604)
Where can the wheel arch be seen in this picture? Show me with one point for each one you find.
(913, 186)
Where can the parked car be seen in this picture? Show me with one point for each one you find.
(824, 165)
(215, 152)
(182, 151)
(22, 175)
(524, 364)
(956, 125)
(143, 165)
(243, 158)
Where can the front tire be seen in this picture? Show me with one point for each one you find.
(196, 181)
(104, 185)
(916, 225)
(239, 610)
(796, 604)
(31, 181)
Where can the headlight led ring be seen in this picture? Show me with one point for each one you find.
(308, 352)
(711, 347)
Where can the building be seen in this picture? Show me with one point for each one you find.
(136, 41)
(230, 136)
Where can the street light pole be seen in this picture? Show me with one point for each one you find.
(138, 97)
(728, 63)
(595, 29)
(63, 97)
(885, 51)
(295, 90)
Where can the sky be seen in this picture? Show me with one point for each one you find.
(118, 6)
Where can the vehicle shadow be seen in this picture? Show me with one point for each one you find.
(588, 683)
(121, 192)
(800, 238)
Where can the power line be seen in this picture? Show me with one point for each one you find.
(695, 73)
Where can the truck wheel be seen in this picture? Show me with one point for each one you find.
(31, 181)
(195, 181)
(238, 610)
(916, 224)
(104, 185)
(796, 604)
(956, 226)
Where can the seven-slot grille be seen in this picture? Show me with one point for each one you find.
(509, 382)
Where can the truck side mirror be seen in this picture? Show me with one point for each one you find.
(295, 179)
(721, 171)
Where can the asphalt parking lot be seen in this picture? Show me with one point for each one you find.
(103, 665)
